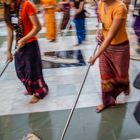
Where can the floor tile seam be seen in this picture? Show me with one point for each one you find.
(48, 110)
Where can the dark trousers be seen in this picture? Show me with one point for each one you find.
(29, 69)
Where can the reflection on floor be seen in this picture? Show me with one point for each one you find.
(113, 124)
(58, 59)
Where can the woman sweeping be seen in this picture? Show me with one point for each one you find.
(20, 16)
(113, 52)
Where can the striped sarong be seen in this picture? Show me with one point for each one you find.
(114, 66)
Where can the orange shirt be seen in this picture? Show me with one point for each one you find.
(116, 11)
(28, 9)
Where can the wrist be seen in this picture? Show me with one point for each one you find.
(95, 57)
(23, 39)
(9, 52)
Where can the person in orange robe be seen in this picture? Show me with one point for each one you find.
(49, 17)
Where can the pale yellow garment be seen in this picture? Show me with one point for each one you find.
(49, 17)
(117, 11)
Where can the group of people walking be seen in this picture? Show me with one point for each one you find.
(51, 6)
(113, 51)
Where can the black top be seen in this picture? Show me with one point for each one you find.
(81, 15)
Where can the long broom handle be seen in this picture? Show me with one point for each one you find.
(76, 100)
(7, 63)
(67, 27)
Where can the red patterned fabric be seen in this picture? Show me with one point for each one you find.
(114, 66)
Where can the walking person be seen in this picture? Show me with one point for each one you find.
(65, 6)
(113, 53)
(79, 19)
(20, 16)
(49, 18)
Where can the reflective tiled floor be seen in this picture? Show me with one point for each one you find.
(64, 70)
(113, 124)
(59, 59)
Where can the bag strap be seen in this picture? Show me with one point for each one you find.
(19, 30)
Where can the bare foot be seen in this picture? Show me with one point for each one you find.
(34, 100)
(77, 45)
(100, 108)
(53, 40)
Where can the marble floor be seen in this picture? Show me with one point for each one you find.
(64, 67)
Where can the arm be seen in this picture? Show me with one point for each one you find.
(9, 39)
(64, 2)
(111, 34)
(49, 7)
(53, 4)
(81, 7)
(9, 43)
(36, 28)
